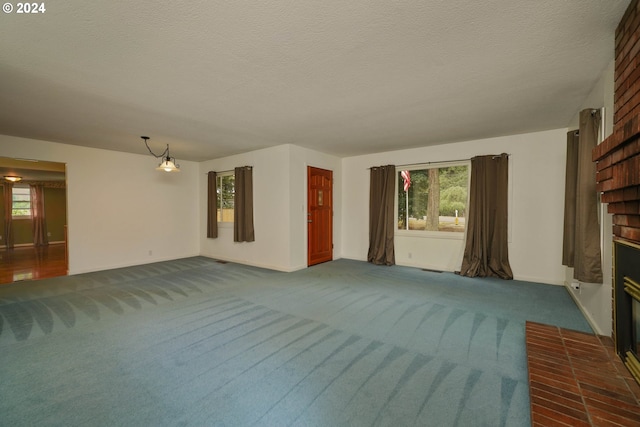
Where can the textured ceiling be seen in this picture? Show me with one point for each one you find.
(215, 78)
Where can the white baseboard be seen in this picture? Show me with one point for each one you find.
(30, 245)
(585, 313)
(260, 265)
(129, 264)
(538, 280)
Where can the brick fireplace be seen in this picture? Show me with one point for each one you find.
(618, 179)
(578, 379)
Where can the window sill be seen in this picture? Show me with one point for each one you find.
(451, 235)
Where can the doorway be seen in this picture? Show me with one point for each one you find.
(32, 189)
(319, 215)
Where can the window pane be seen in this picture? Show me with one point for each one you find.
(226, 193)
(454, 184)
(435, 199)
(413, 201)
(21, 202)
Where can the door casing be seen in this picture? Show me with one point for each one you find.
(319, 215)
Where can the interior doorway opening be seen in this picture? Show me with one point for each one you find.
(33, 220)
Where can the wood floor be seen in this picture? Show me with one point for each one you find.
(27, 263)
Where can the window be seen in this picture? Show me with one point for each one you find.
(225, 189)
(21, 203)
(433, 198)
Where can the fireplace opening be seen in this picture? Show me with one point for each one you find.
(627, 304)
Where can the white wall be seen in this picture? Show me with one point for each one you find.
(118, 216)
(537, 162)
(594, 299)
(119, 208)
(279, 191)
(300, 158)
(270, 208)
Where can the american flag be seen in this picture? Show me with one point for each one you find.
(407, 179)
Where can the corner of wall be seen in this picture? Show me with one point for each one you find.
(593, 300)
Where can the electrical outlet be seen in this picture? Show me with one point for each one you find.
(150, 252)
(410, 255)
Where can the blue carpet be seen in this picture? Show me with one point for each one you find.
(196, 342)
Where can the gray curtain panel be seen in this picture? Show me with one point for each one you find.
(37, 216)
(212, 206)
(381, 215)
(243, 205)
(486, 251)
(570, 185)
(8, 220)
(587, 259)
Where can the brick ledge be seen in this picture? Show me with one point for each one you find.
(577, 379)
(620, 136)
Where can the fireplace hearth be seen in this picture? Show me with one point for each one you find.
(627, 304)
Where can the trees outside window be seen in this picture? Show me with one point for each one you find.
(225, 191)
(435, 198)
(21, 202)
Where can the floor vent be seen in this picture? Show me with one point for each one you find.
(431, 271)
(219, 261)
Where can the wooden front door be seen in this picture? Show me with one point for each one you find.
(319, 215)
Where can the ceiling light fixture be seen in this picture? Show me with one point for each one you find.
(13, 178)
(168, 163)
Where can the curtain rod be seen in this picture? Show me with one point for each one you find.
(593, 111)
(430, 163)
(438, 162)
(232, 170)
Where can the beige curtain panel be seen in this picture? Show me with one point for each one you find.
(212, 206)
(8, 220)
(486, 252)
(582, 228)
(37, 216)
(570, 186)
(381, 215)
(243, 205)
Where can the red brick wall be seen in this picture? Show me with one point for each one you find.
(618, 157)
(627, 73)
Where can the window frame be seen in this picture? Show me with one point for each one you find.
(219, 177)
(454, 235)
(26, 189)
